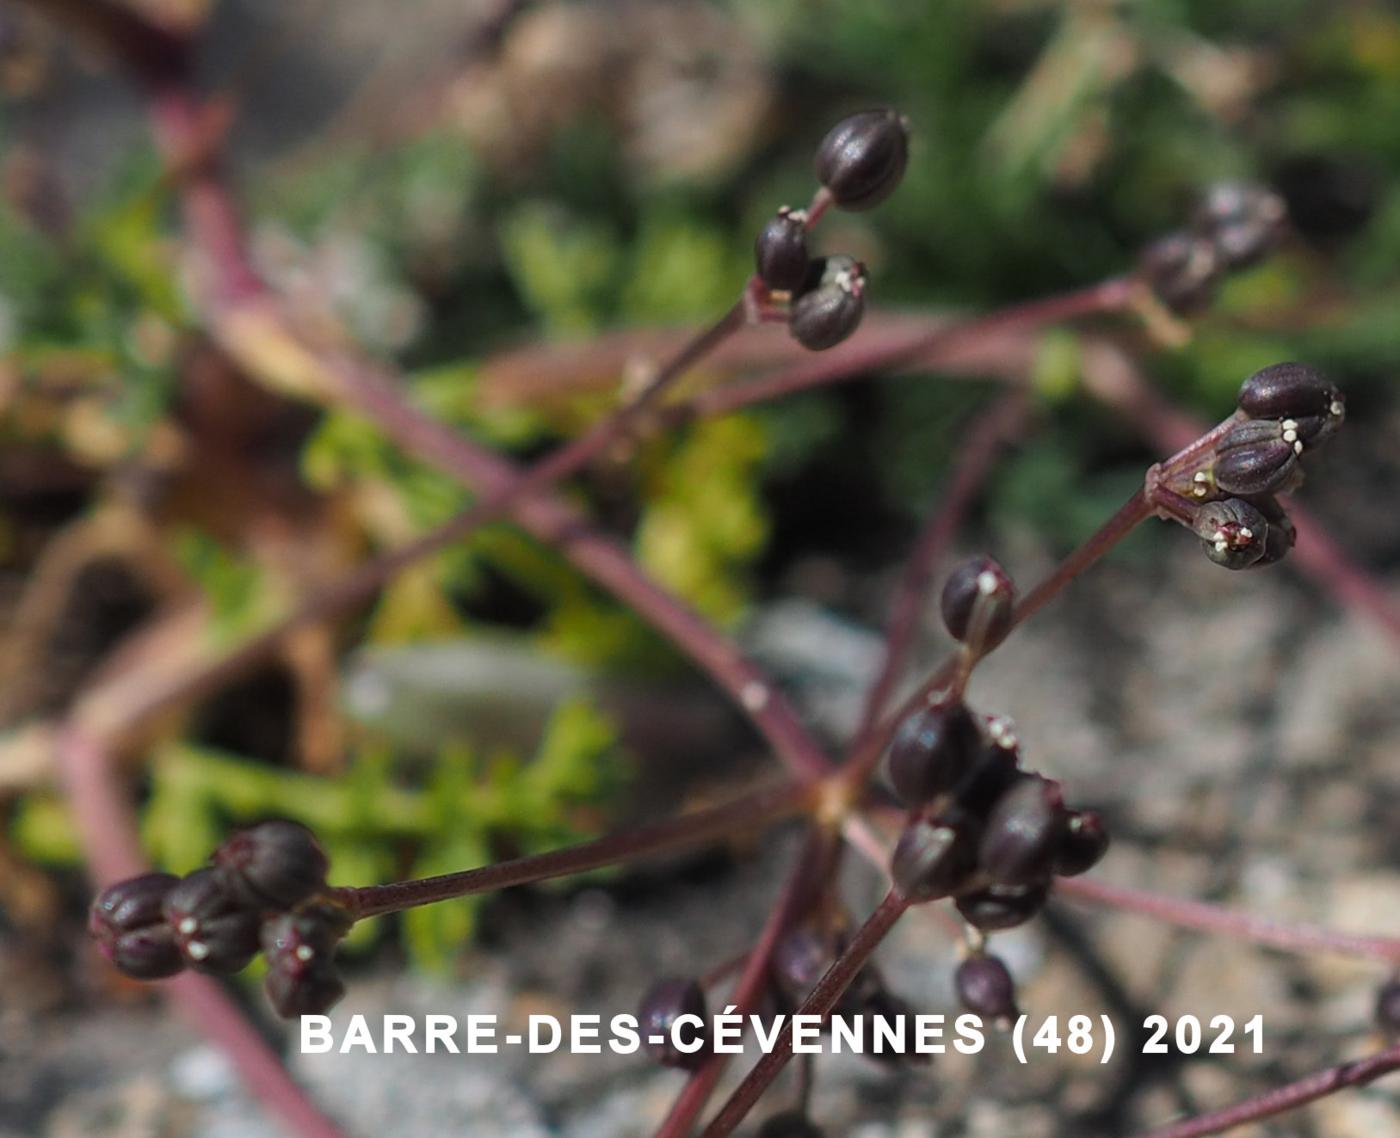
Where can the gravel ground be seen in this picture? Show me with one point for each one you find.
(1240, 734)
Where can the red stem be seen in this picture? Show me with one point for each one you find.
(866, 752)
(107, 829)
(1205, 917)
(859, 356)
(237, 298)
(974, 465)
(1129, 516)
(813, 867)
(644, 841)
(819, 1002)
(361, 583)
(1356, 1073)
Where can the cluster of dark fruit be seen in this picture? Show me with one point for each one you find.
(1284, 411)
(1235, 226)
(982, 830)
(262, 891)
(801, 957)
(859, 163)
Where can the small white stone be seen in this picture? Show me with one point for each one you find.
(305, 952)
(197, 950)
(187, 925)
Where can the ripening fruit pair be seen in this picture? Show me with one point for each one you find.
(828, 293)
(1291, 408)
(859, 163)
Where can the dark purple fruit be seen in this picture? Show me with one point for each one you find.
(977, 603)
(309, 993)
(1243, 221)
(993, 771)
(780, 252)
(985, 987)
(274, 865)
(1003, 906)
(934, 857)
(664, 1003)
(862, 158)
(1084, 844)
(830, 304)
(1182, 269)
(1023, 832)
(931, 752)
(1234, 533)
(1256, 457)
(1290, 391)
(126, 921)
(214, 928)
(300, 951)
(1282, 534)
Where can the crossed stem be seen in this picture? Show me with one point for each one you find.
(247, 322)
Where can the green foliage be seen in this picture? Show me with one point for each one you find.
(233, 587)
(1051, 139)
(704, 521)
(453, 818)
(563, 266)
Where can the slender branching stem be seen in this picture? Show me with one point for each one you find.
(252, 328)
(1206, 917)
(866, 752)
(1356, 1073)
(1128, 517)
(361, 583)
(819, 1002)
(811, 873)
(107, 830)
(757, 809)
(984, 442)
(862, 356)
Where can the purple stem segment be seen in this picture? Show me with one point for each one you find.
(1356, 1073)
(1205, 917)
(819, 1001)
(860, 356)
(999, 424)
(756, 809)
(107, 829)
(813, 867)
(865, 752)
